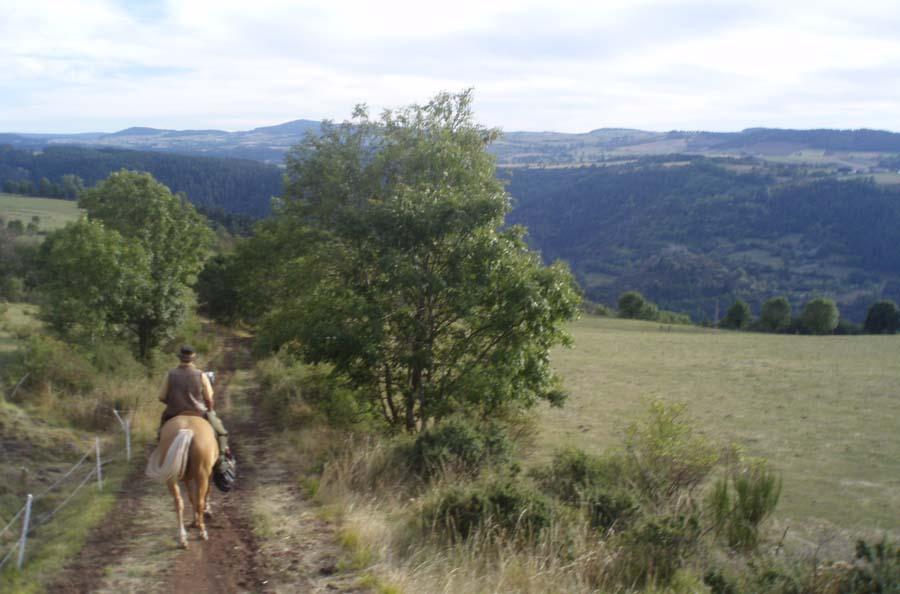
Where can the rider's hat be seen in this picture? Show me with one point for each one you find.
(187, 353)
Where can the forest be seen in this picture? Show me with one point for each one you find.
(232, 185)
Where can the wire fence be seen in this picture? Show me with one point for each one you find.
(28, 524)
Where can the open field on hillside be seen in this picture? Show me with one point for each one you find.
(14, 318)
(824, 410)
(54, 213)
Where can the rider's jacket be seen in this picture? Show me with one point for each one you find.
(186, 390)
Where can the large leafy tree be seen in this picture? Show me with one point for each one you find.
(398, 272)
(882, 318)
(141, 249)
(775, 314)
(820, 316)
(738, 316)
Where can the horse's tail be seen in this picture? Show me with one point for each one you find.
(172, 467)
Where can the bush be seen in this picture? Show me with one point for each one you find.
(52, 363)
(596, 484)
(658, 547)
(673, 317)
(459, 446)
(295, 394)
(498, 508)
(666, 457)
(877, 569)
(740, 502)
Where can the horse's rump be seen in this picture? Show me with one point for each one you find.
(176, 457)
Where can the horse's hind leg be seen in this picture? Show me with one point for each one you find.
(179, 511)
(202, 494)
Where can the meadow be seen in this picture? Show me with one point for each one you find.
(825, 411)
(53, 213)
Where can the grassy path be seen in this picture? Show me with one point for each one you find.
(264, 535)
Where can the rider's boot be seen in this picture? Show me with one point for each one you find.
(221, 436)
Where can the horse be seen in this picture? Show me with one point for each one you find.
(187, 452)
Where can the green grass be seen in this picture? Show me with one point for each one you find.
(14, 319)
(824, 410)
(54, 213)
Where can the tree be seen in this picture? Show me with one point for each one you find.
(93, 279)
(163, 231)
(738, 316)
(633, 305)
(397, 271)
(883, 318)
(775, 314)
(820, 316)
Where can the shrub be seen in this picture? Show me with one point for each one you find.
(655, 549)
(499, 508)
(52, 363)
(610, 507)
(459, 446)
(666, 457)
(294, 394)
(740, 502)
(877, 569)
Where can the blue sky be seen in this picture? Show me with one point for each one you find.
(102, 65)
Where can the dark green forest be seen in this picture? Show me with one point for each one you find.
(691, 231)
(232, 185)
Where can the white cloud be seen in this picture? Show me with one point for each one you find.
(564, 65)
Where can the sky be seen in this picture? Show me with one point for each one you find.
(563, 65)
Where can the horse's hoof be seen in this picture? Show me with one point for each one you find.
(207, 514)
(182, 544)
(204, 535)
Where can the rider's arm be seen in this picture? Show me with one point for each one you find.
(207, 391)
(164, 390)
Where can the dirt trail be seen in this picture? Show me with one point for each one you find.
(264, 536)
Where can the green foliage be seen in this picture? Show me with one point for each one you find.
(673, 317)
(667, 458)
(741, 501)
(129, 266)
(656, 548)
(633, 305)
(295, 395)
(52, 363)
(775, 315)
(92, 279)
(877, 569)
(461, 447)
(393, 266)
(820, 316)
(495, 508)
(738, 316)
(882, 318)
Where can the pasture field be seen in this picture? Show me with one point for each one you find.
(15, 318)
(54, 213)
(825, 410)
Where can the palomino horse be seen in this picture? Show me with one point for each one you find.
(187, 452)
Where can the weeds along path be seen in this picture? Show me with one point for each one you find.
(264, 536)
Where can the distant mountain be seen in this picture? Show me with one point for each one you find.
(856, 149)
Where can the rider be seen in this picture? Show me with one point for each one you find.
(187, 391)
